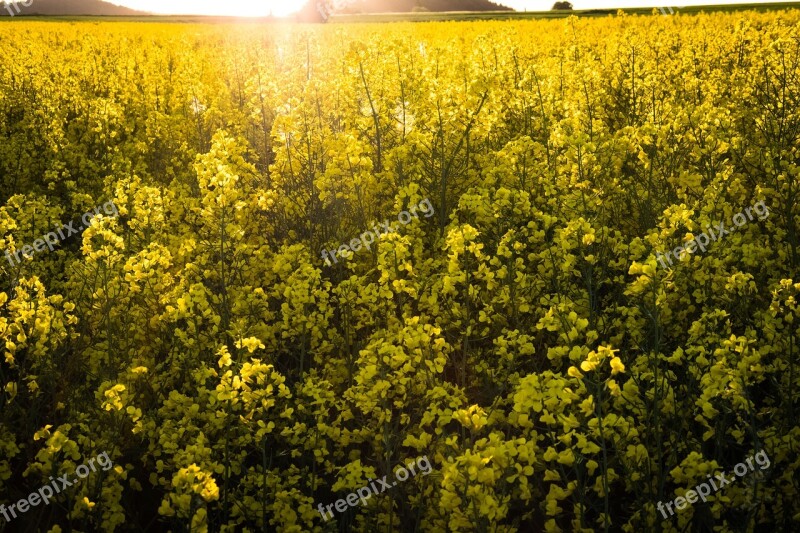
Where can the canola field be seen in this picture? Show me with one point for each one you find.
(450, 277)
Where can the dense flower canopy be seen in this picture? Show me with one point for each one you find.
(525, 338)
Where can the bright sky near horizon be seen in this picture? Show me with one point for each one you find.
(247, 8)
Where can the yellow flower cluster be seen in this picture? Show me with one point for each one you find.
(524, 339)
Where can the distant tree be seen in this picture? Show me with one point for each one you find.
(562, 6)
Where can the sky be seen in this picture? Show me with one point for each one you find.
(285, 7)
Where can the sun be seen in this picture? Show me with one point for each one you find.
(279, 8)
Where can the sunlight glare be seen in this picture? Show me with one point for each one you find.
(232, 8)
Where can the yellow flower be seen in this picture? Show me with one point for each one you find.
(587, 406)
(43, 433)
(251, 343)
(225, 357)
(574, 372)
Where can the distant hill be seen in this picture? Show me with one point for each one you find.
(101, 8)
(319, 10)
(68, 7)
(406, 6)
